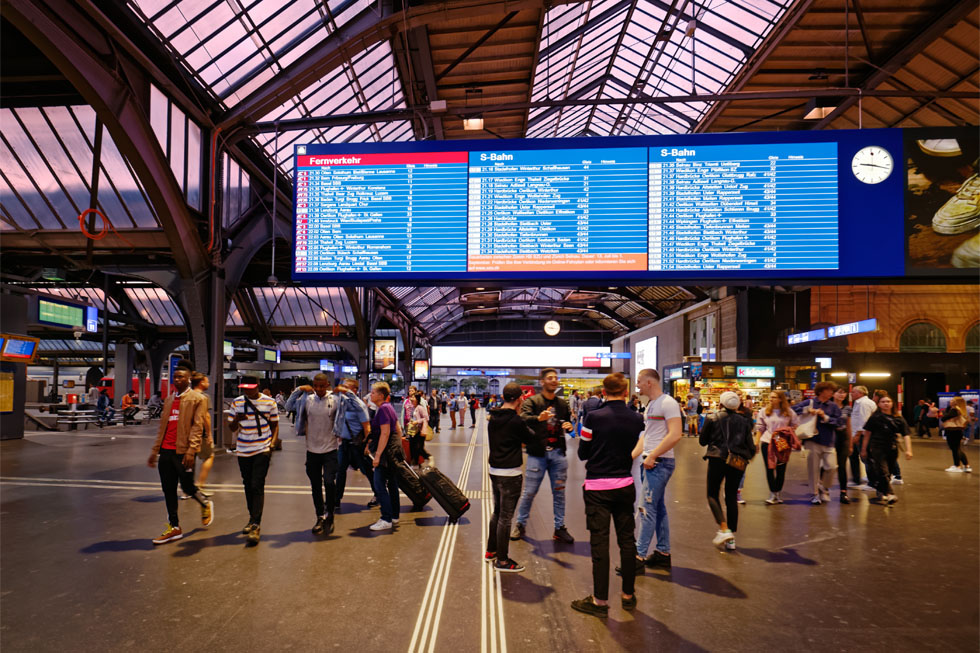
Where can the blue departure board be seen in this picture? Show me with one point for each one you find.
(381, 213)
(744, 207)
(536, 209)
(714, 207)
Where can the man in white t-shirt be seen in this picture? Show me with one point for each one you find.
(861, 409)
(663, 430)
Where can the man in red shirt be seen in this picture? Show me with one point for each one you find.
(177, 443)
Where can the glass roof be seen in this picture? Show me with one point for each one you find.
(155, 306)
(312, 346)
(620, 49)
(46, 170)
(234, 46)
(93, 296)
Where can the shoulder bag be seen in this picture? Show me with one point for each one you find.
(807, 428)
(733, 459)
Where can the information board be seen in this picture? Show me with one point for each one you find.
(652, 208)
(60, 314)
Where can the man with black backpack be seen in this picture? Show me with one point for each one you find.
(255, 417)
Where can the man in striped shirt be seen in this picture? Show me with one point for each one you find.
(255, 417)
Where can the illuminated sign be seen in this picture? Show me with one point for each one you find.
(421, 370)
(676, 373)
(807, 336)
(326, 365)
(91, 319)
(60, 313)
(591, 361)
(851, 328)
(348, 369)
(384, 355)
(756, 372)
(228, 350)
(615, 354)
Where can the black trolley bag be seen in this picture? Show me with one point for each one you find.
(445, 492)
(411, 486)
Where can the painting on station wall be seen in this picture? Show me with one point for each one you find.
(942, 201)
(384, 355)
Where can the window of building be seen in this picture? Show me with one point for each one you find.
(701, 341)
(180, 138)
(922, 336)
(236, 195)
(973, 338)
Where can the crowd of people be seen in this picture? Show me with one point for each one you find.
(838, 429)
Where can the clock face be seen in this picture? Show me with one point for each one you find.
(872, 164)
(552, 328)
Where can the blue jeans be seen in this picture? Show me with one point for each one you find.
(653, 510)
(386, 489)
(556, 464)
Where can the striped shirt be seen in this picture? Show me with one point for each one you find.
(255, 437)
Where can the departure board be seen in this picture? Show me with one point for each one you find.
(744, 207)
(716, 207)
(536, 209)
(381, 213)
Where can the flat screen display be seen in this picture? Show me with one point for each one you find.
(651, 208)
(644, 356)
(422, 370)
(19, 349)
(384, 355)
(60, 314)
(524, 357)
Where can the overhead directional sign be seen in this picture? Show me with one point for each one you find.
(851, 328)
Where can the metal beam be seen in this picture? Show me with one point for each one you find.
(248, 306)
(864, 30)
(480, 41)
(943, 21)
(554, 106)
(361, 32)
(757, 60)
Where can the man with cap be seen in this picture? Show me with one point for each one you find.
(255, 417)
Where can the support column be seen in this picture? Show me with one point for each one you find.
(14, 311)
(122, 371)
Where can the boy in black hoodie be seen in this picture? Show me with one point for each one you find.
(507, 431)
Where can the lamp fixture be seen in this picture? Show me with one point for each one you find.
(474, 98)
(837, 374)
(875, 375)
(818, 108)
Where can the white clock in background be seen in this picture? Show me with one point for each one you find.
(552, 328)
(872, 164)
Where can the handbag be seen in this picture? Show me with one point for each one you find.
(736, 461)
(807, 428)
(427, 431)
(412, 430)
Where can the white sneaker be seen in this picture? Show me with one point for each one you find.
(865, 487)
(815, 500)
(967, 255)
(395, 520)
(853, 484)
(954, 469)
(721, 537)
(381, 525)
(771, 501)
(941, 147)
(967, 469)
(739, 498)
(961, 213)
(897, 481)
(730, 545)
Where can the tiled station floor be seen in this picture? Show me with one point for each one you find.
(78, 571)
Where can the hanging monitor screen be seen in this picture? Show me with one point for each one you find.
(696, 206)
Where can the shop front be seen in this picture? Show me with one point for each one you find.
(708, 380)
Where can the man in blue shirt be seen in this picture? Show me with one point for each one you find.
(352, 426)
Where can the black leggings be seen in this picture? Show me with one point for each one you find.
(718, 471)
(774, 477)
(954, 438)
(841, 443)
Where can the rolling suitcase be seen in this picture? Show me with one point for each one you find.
(411, 487)
(445, 492)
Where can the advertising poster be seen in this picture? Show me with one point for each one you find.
(384, 355)
(421, 370)
(644, 356)
(942, 201)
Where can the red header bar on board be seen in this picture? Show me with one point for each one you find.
(401, 158)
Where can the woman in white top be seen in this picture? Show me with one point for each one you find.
(416, 428)
(777, 415)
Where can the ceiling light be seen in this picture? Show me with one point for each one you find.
(474, 123)
(481, 288)
(838, 374)
(820, 107)
(875, 375)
